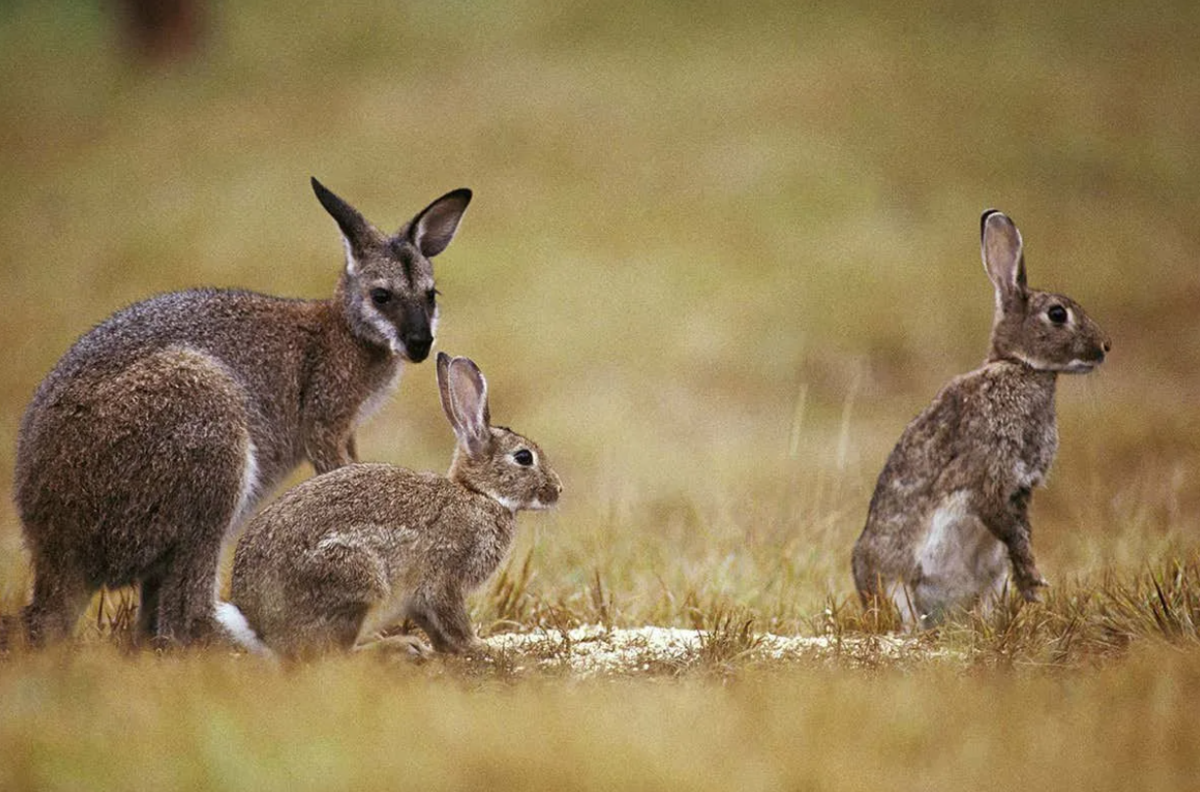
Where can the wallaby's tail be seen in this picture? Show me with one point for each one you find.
(234, 622)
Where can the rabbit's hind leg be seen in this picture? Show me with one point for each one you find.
(444, 618)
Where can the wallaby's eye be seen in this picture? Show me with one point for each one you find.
(1057, 314)
(381, 296)
(523, 457)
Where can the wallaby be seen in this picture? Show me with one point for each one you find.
(157, 433)
(949, 517)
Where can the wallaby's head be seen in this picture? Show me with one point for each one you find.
(1043, 330)
(387, 286)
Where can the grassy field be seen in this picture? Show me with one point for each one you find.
(719, 255)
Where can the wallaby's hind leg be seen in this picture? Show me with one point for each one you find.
(59, 599)
(187, 586)
(147, 621)
(168, 470)
(179, 598)
(187, 602)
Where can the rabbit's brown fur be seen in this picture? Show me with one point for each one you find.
(164, 425)
(949, 516)
(348, 553)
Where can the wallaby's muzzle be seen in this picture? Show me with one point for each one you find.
(417, 347)
(417, 335)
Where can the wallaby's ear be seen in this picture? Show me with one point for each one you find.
(433, 228)
(1003, 256)
(356, 231)
(443, 380)
(469, 403)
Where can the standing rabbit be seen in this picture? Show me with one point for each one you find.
(950, 511)
(347, 553)
(162, 427)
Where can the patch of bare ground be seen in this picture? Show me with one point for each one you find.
(593, 650)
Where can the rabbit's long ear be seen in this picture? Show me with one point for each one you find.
(443, 380)
(1003, 256)
(469, 404)
(433, 228)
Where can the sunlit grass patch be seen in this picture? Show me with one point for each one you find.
(1102, 620)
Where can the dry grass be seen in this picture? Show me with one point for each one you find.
(99, 719)
(719, 256)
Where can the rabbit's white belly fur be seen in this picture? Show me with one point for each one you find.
(960, 560)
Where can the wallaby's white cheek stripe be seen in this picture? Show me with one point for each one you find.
(386, 330)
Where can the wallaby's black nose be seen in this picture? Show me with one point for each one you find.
(418, 346)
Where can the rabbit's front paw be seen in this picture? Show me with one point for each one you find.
(1030, 587)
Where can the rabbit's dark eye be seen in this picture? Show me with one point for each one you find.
(1057, 314)
(381, 296)
(523, 457)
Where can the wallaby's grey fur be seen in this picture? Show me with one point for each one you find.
(348, 553)
(950, 511)
(161, 428)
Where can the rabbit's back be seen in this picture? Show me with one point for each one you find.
(371, 506)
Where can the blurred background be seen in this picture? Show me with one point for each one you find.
(719, 253)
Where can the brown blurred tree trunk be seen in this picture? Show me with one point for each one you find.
(161, 30)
